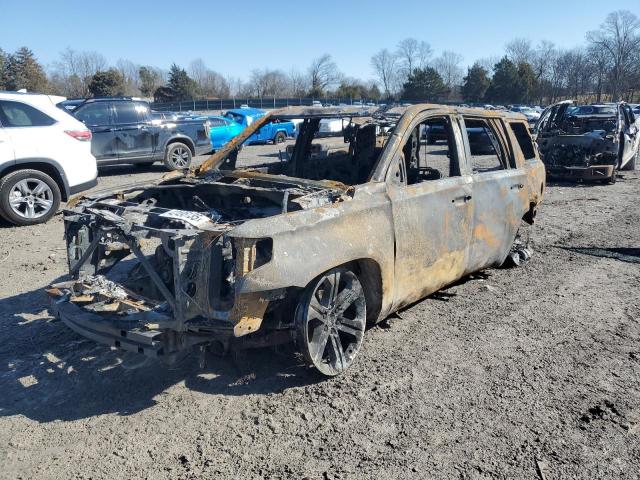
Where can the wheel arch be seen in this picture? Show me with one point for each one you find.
(186, 140)
(44, 165)
(369, 273)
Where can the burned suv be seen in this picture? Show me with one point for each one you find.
(260, 246)
(588, 142)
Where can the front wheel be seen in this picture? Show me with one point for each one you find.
(177, 156)
(330, 321)
(28, 197)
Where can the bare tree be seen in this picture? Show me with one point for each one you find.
(488, 63)
(198, 71)
(75, 70)
(519, 50)
(619, 37)
(384, 65)
(408, 51)
(323, 74)
(601, 67)
(298, 83)
(210, 83)
(131, 74)
(424, 54)
(268, 83)
(448, 66)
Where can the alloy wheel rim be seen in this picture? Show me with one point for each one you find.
(31, 198)
(335, 322)
(180, 157)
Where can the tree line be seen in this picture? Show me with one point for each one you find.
(606, 67)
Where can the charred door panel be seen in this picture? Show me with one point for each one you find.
(499, 197)
(432, 222)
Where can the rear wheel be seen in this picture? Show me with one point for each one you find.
(28, 197)
(330, 321)
(177, 156)
(280, 137)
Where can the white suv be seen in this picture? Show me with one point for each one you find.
(45, 157)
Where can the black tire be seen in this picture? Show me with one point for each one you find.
(631, 165)
(280, 137)
(330, 321)
(28, 197)
(612, 179)
(177, 156)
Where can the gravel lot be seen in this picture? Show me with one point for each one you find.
(514, 373)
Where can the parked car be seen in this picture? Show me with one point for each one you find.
(316, 103)
(311, 248)
(480, 140)
(222, 130)
(332, 127)
(125, 131)
(70, 103)
(588, 142)
(276, 131)
(531, 114)
(45, 157)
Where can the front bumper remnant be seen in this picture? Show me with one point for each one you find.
(593, 172)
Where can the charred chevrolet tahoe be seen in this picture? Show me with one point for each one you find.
(309, 246)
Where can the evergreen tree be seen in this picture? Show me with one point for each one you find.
(505, 84)
(183, 86)
(424, 84)
(527, 83)
(475, 84)
(149, 81)
(23, 71)
(3, 68)
(109, 83)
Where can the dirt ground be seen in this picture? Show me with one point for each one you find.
(526, 373)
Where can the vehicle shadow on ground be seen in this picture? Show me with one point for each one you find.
(116, 170)
(556, 182)
(629, 255)
(51, 373)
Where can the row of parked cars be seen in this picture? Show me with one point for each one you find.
(50, 148)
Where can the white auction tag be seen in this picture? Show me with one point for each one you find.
(192, 218)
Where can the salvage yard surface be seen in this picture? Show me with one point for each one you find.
(531, 372)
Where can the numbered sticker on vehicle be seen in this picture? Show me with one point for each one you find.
(192, 218)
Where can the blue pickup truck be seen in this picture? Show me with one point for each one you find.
(276, 131)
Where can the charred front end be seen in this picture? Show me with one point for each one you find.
(579, 146)
(157, 269)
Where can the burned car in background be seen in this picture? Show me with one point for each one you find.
(298, 246)
(588, 142)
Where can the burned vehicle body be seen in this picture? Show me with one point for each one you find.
(588, 142)
(308, 248)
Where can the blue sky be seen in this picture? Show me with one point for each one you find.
(236, 37)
